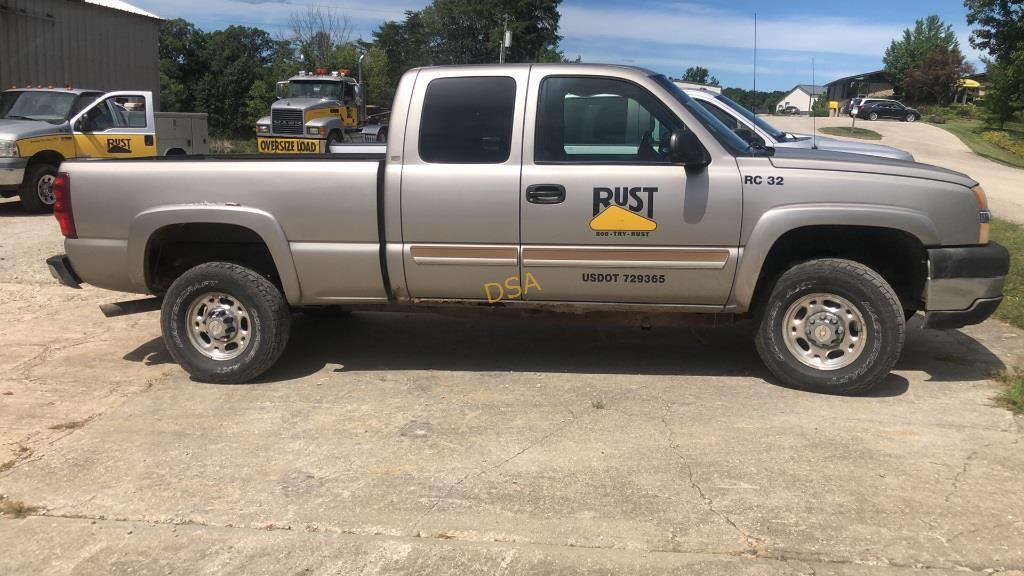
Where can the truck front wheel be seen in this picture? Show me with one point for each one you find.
(36, 192)
(831, 326)
(224, 323)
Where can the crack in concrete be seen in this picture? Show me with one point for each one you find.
(958, 478)
(565, 423)
(756, 545)
(806, 559)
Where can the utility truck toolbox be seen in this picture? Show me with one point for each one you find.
(546, 188)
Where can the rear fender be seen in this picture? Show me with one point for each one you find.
(262, 223)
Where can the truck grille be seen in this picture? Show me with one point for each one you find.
(286, 121)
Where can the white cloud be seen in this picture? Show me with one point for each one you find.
(703, 26)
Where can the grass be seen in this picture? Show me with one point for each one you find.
(851, 132)
(1012, 308)
(1012, 395)
(972, 133)
(232, 146)
(1012, 236)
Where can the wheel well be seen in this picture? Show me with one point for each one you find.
(45, 157)
(897, 256)
(175, 152)
(173, 249)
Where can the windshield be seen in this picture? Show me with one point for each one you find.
(722, 132)
(772, 131)
(52, 107)
(327, 90)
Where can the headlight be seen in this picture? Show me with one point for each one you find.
(984, 214)
(315, 131)
(263, 128)
(9, 149)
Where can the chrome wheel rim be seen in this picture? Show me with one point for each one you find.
(910, 118)
(44, 189)
(824, 331)
(872, 116)
(219, 326)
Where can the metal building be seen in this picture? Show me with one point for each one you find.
(103, 44)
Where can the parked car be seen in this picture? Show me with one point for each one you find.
(756, 130)
(790, 111)
(541, 189)
(875, 109)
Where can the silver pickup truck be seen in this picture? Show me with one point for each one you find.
(550, 188)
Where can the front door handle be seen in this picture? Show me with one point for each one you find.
(545, 194)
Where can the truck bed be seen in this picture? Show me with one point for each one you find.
(319, 213)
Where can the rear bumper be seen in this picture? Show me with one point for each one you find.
(965, 284)
(60, 268)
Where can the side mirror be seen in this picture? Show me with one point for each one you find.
(83, 124)
(282, 89)
(685, 148)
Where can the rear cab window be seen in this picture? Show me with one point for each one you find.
(467, 120)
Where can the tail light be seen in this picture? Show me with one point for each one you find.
(62, 205)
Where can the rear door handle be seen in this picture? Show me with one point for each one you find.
(545, 194)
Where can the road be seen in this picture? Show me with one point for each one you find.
(933, 145)
(394, 444)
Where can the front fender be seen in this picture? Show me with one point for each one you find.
(262, 223)
(778, 221)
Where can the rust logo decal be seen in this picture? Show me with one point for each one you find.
(119, 145)
(624, 209)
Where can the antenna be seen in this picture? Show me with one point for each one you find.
(814, 119)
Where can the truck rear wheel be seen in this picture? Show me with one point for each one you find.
(36, 192)
(224, 323)
(832, 326)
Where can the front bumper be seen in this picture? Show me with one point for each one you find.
(965, 284)
(60, 268)
(12, 172)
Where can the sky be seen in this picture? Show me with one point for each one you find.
(662, 35)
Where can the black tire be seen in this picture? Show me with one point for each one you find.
(884, 327)
(268, 318)
(33, 197)
(382, 135)
(873, 116)
(334, 137)
(911, 118)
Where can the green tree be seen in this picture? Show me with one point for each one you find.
(379, 88)
(925, 38)
(999, 27)
(699, 75)
(469, 32)
(820, 107)
(238, 57)
(1005, 96)
(182, 64)
(936, 77)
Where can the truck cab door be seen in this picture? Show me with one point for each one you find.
(116, 125)
(606, 216)
(460, 182)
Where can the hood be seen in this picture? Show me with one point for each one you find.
(807, 159)
(302, 104)
(853, 147)
(18, 129)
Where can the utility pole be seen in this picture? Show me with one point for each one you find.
(755, 51)
(506, 41)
